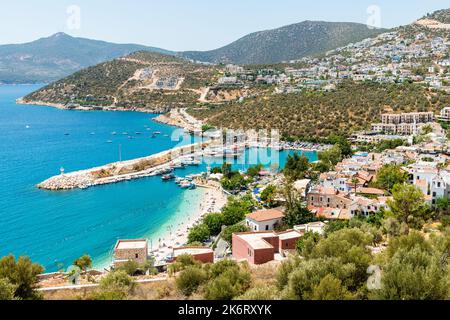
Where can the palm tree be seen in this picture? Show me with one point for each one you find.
(355, 182)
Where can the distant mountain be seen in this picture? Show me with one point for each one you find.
(287, 43)
(52, 58)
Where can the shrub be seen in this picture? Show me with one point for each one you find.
(228, 285)
(116, 285)
(83, 262)
(330, 288)
(306, 243)
(183, 261)
(285, 270)
(7, 290)
(22, 274)
(260, 293)
(130, 267)
(190, 280)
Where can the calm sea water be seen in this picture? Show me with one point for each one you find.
(54, 228)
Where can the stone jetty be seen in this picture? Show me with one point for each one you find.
(122, 171)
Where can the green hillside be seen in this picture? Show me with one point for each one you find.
(287, 43)
(315, 114)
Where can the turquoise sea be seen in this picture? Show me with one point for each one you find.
(54, 228)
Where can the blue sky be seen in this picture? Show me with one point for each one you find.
(189, 24)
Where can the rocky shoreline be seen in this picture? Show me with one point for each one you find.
(89, 108)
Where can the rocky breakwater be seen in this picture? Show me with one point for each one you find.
(76, 180)
(121, 171)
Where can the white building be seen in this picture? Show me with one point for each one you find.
(317, 227)
(264, 220)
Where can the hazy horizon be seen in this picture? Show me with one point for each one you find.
(182, 26)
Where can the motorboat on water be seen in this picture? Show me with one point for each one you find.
(179, 180)
(187, 185)
(168, 177)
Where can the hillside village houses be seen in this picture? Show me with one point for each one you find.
(388, 58)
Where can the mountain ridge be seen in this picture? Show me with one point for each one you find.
(286, 43)
(51, 58)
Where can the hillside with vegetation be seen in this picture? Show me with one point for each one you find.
(440, 15)
(287, 43)
(316, 114)
(130, 82)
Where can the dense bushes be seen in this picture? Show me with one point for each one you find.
(115, 286)
(19, 278)
(224, 280)
(336, 266)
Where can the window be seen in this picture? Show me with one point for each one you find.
(267, 228)
(136, 256)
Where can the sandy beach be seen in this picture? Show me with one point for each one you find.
(176, 235)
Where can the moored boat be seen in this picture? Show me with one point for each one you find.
(168, 177)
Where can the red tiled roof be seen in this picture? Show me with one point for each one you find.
(266, 215)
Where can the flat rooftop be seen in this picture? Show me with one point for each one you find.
(192, 251)
(289, 235)
(256, 240)
(131, 244)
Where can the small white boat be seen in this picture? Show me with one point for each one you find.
(185, 184)
(179, 180)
